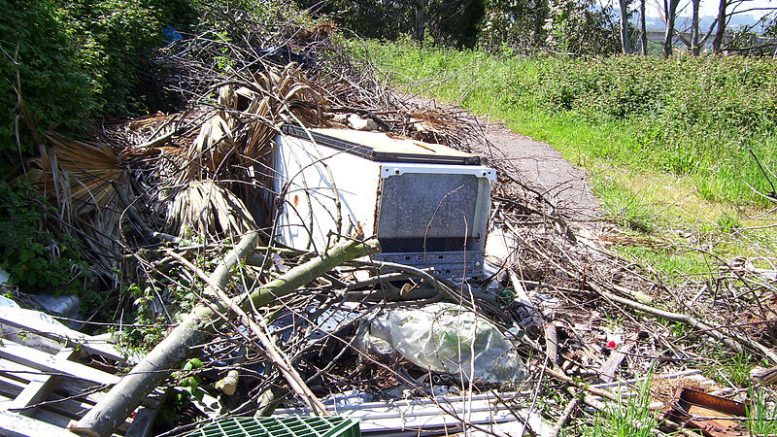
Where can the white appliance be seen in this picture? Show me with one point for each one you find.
(427, 204)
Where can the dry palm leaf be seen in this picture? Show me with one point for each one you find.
(80, 175)
(258, 132)
(207, 209)
(211, 149)
(83, 178)
(276, 95)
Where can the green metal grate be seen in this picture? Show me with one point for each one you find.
(280, 427)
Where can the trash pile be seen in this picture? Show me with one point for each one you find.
(183, 206)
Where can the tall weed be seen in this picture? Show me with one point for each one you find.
(696, 117)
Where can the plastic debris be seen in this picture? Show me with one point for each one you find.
(6, 302)
(4, 277)
(447, 338)
(171, 34)
(361, 123)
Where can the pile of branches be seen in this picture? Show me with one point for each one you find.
(158, 200)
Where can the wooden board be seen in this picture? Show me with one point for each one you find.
(16, 425)
(32, 321)
(66, 406)
(36, 391)
(43, 387)
(50, 364)
(82, 390)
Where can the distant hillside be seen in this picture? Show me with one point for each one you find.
(745, 20)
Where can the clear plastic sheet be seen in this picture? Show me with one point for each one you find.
(447, 338)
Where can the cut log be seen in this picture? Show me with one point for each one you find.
(199, 325)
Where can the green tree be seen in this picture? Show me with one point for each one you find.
(447, 22)
(518, 24)
(579, 27)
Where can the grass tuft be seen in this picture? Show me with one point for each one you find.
(762, 414)
(629, 418)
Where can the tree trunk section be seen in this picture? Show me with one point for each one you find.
(199, 326)
(643, 28)
(695, 49)
(624, 24)
(420, 20)
(670, 13)
(717, 43)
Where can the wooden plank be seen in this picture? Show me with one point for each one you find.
(72, 408)
(64, 388)
(49, 417)
(19, 372)
(608, 369)
(37, 391)
(33, 322)
(10, 388)
(143, 423)
(16, 425)
(82, 389)
(46, 362)
(57, 411)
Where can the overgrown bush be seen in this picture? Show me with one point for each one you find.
(39, 58)
(694, 115)
(685, 116)
(116, 39)
(36, 261)
(78, 60)
(71, 62)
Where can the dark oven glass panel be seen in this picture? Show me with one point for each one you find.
(428, 206)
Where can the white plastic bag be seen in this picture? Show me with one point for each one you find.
(447, 338)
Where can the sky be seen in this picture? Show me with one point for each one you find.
(708, 7)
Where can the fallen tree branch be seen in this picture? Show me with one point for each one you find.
(199, 325)
(732, 339)
(295, 381)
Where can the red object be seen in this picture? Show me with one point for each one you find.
(611, 344)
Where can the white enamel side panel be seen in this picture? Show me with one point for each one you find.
(310, 179)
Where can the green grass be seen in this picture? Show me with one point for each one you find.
(665, 163)
(630, 417)
(593, 114)
(762, 413)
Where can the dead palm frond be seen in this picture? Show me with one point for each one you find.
(81, 176)
(207, 209)
(83, 179)
(240, 132)
(211, 149)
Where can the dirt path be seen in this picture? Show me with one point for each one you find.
(543, 168)
(540, 166)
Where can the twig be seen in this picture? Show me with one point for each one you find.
(732, 339)
(295, 381)
(564, 418)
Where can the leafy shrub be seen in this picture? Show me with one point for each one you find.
(116, 40)
(36, 49)
(73, 62)
(78, 60)
(35, 260)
